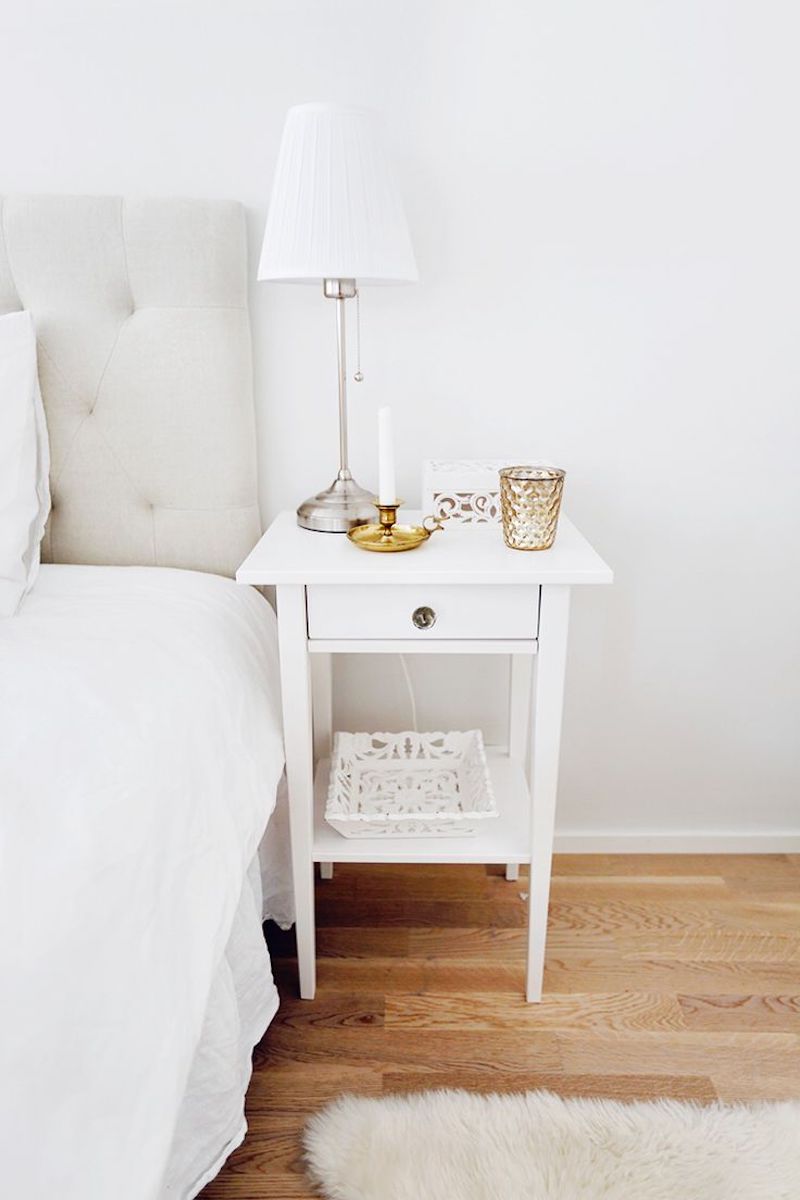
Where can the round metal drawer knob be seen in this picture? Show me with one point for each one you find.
(423, 618)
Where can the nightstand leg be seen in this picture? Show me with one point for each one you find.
(519, 721)
(548, 696)
(297, 738)
(322, 708)
(322, 704)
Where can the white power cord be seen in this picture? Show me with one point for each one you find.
(410, 687)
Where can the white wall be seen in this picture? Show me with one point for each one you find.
(604, 201)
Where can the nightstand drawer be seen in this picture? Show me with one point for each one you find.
(422, 612)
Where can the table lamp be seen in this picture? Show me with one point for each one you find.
(335, 218)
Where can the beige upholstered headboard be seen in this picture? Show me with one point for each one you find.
(144, 362)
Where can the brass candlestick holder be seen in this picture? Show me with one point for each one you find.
(388, 536)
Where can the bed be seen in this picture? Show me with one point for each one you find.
(140, 741)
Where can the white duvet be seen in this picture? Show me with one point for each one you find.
(140, 750)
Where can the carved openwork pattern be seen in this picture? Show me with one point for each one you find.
(409, 784)
(470, 507)
(463, 489)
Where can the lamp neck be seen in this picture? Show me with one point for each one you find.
(341, 290)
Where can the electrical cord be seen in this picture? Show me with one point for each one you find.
(411, 697)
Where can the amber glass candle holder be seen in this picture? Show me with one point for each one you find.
(530, 500)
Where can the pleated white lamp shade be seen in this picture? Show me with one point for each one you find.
(335, 211)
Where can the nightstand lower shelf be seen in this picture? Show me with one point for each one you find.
(505, 840)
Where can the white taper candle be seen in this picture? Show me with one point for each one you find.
(387, 489)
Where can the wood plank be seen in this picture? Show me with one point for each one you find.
(414, 881)
(760, 1013)
(780, 1082)
(606, 970)
(362, 942)
(670, 864)
(709, 946)
(335, 1010)
(251, 1183)
(611, 1087)
(712, 945)
(488, 945)
(410, 913)
(637, 915)
(491, 1052)
(494, 945)
(781, 884)
(611, 972)
(685, 1052)
(638, 888)
(269, 1159)
(299, 1089)
(417, 975)
(618, 1011)
(754, 869)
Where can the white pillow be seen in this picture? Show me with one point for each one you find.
(24, 461)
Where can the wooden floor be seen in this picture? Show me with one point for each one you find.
(666, 976)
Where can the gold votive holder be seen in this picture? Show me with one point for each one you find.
(530, 501)
(389, 536)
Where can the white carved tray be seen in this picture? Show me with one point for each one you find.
(409, 784)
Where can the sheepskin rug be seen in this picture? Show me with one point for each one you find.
(458, 1146)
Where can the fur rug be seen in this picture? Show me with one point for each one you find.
(459, 1146)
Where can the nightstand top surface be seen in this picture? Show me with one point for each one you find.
(461, 553)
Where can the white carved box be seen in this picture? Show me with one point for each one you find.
(463, 489)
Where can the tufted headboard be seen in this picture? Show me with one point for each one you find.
(145, 368)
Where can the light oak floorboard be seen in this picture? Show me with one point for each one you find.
(611, 972)
(618, 1011)
(752, 1054)
(637, 915)
(723, 945)
(490, 1052)
(618, 1087)
(759, 1013)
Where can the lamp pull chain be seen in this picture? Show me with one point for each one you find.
(358, 376)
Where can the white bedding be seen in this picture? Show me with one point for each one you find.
(140, 751)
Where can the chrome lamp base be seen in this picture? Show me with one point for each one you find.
(340, 507)
(344, 504)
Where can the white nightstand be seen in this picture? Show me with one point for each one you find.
(485, 599)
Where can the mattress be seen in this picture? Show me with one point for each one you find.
(140, 754)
